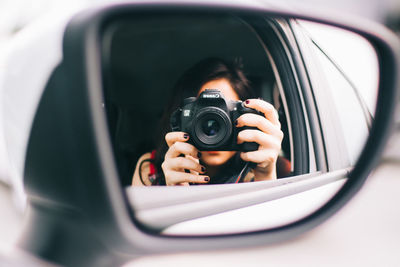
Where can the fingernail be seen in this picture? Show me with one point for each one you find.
(187, 171)
(186, 136)
(236, 122)
(199, 154)
(207, 179)
(203, 169)
(247, 102)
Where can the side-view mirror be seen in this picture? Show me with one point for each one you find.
(108, 179)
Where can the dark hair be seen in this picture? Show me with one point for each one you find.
(189, 85)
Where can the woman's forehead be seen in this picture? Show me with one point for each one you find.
(224, 86)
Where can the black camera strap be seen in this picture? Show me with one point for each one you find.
(246, 168)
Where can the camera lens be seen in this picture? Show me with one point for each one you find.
(210, 127)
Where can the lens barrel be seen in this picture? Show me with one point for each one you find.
(212, 127)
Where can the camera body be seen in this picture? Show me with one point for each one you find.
(209, 121)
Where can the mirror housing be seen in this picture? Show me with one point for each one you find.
(70, 174)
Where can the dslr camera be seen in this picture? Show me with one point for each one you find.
(209, 119)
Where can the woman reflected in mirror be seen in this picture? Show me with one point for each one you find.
(176, 161)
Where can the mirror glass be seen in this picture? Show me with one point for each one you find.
(222, 123)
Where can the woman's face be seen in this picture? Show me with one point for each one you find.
(216, 158)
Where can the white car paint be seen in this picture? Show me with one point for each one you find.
(26, 62)
(365, 232)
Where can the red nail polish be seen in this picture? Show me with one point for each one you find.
(203, 169)
(247, 102)
(186, 136)
(206, 179)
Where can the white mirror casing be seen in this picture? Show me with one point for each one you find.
(72, 161)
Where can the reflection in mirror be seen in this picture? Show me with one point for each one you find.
(350, 65)
(270, 109)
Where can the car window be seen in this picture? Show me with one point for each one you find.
(138, 68)
(140, 76)
(351, 69)
(353, 56)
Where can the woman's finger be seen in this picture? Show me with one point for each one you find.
(175, 177)
(263, 139)
(269, 111)
(179, 148)
(260, 122)
(183, 184)
(263, 157)
(182, 163)
(173, 137)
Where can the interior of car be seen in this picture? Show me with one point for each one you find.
(143, 59)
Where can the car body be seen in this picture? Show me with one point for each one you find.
(313, 147)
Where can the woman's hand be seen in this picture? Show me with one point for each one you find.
(269, 137)
(181, 163)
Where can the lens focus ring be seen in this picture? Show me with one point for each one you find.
(212, 127)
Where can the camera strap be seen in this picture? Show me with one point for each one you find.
(246, 168)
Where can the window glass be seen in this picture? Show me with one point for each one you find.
(350, 66)
(352, 54)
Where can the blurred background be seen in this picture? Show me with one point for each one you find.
(15, 17)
